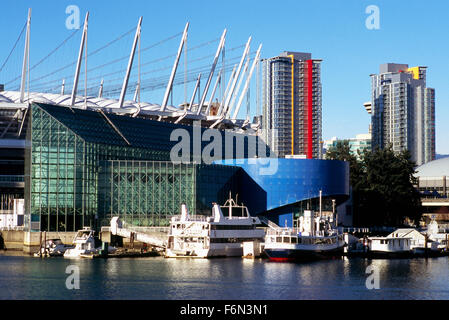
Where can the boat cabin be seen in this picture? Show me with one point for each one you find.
(389, 244)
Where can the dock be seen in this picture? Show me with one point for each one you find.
(123, 253)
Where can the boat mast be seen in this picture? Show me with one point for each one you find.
(321, 195)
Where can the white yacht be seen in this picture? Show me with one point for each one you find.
(53, 248)
(214, 236)
(315, 238)
(85, 244)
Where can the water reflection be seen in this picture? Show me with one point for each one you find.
(233, 278)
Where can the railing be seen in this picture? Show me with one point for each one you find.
(282, 232)
(268, 222)
(295, 232)
(16, 228)
(193, 218)
(12, 178)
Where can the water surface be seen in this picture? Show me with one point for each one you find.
(24, 277)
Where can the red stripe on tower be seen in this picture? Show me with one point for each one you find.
(309, 110)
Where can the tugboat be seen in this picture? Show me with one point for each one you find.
(218, 235)
(315, 238)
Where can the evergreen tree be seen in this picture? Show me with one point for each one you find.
(382, 186)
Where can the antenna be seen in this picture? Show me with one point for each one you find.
(100, 91)
(62, 87)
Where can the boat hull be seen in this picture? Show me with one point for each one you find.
(223, 250)
(285, 255)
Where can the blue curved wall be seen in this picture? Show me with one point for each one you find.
(288, 181)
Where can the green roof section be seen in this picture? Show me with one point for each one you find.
(92, 126)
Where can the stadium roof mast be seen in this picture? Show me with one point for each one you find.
(213, 92)
(248, 79)
(130, 63)
(233, 74)
(212, 70)
(226, 103)
(191, 100)
(173, 72)
(26, 54)
(78, 64)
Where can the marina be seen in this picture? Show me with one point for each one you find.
(173, 159)
(240, 235)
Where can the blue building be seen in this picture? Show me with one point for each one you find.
(291, 186)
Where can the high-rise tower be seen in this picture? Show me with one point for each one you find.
(403, 111)
(292, 104)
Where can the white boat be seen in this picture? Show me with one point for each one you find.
(85, 244)
(214, 236)
(53, 248)
(315, 238)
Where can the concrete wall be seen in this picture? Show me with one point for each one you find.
(28, 242)
(11, 240)
(31, 239)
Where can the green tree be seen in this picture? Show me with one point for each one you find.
(381, 185)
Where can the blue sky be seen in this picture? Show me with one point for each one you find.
(412, 32)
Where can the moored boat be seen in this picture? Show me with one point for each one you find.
(218, 235)
(315, 238)
(85, 244)
(53, 248)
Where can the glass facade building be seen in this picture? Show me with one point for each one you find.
(72, 153)
(148, 193)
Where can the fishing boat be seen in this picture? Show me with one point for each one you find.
(314, 238)
(86, 244)
(200, 236)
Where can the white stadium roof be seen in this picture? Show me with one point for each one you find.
(12, 99)
(435, 168)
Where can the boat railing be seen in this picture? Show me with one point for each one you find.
(295, 232)
(192, 218)
(282, 231)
